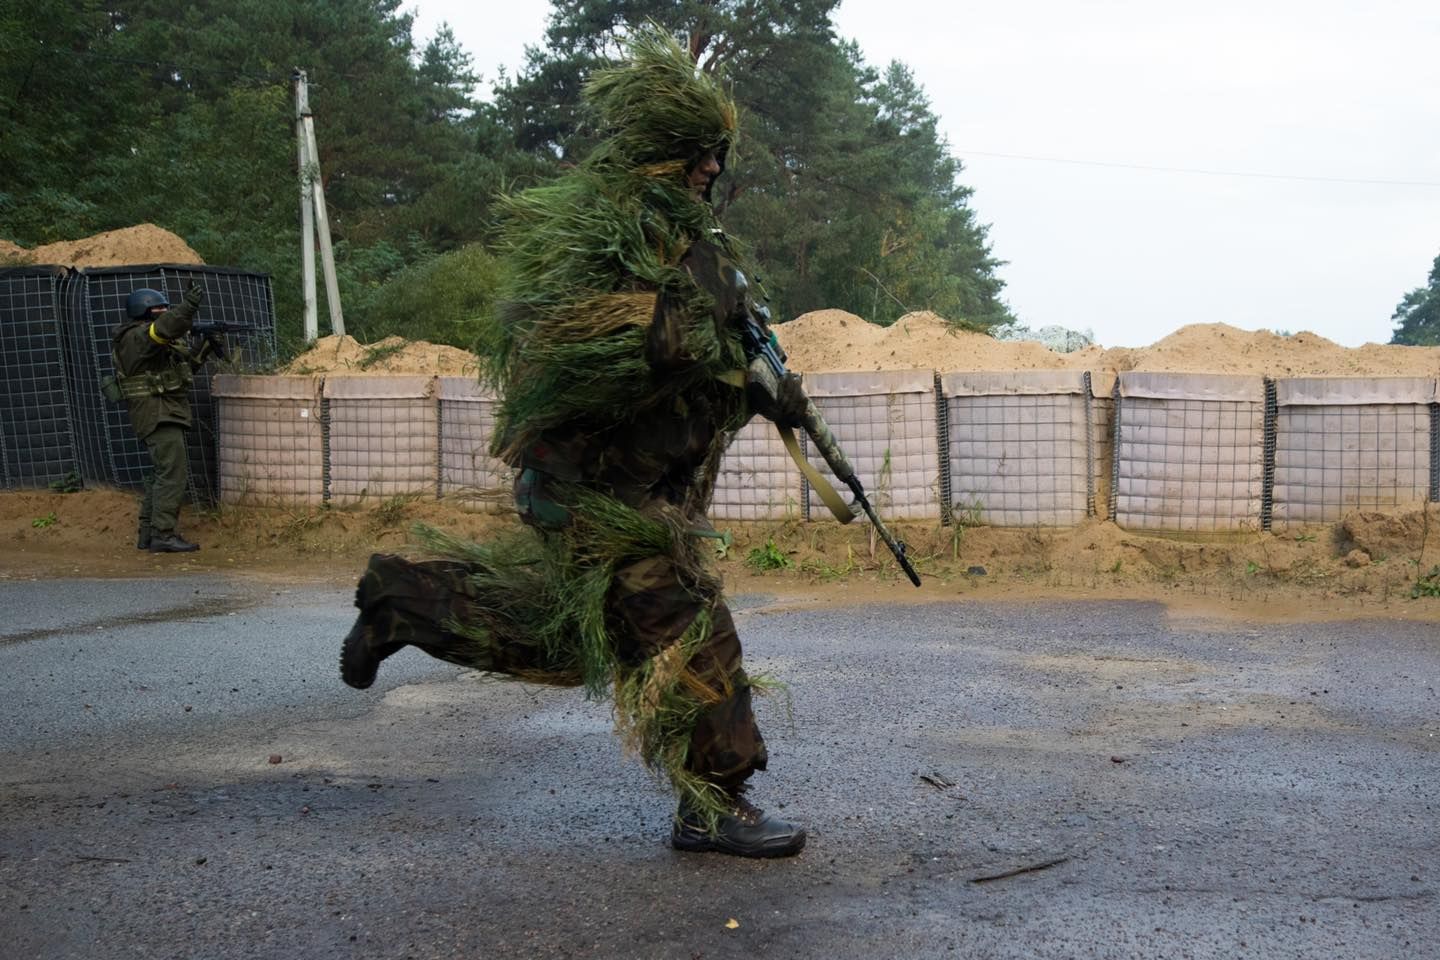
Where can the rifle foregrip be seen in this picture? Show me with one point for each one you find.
(827, 445)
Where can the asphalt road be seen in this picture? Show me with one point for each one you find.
(980, 780)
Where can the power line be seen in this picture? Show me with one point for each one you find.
(1202, 172)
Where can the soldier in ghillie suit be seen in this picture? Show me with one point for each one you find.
(153, 371)
(621, 375)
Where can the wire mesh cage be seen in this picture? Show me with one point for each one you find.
(469, 475)
(111, 452)
(1350, 443)
(35, 425)
(383, 438)
(270, 440)
(1189, 452)
(757, 480)
(885, 421)
(1019, 447)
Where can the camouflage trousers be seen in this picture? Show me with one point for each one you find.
(675, 648)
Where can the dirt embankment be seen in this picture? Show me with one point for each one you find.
(346, 356)
(141, 244)
(1369, 564)
(836, 340)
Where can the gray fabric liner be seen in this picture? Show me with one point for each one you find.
(1353, 391)
(869, 383)
(238, 386)
(379, 388)
(463, 388)
(1018, 383)
(1192, 386)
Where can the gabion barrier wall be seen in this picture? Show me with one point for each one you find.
(1102, 442)
(467, 421)
(1194, 452)
(885, 421)
(383, 437)
(757, 480)
(1019, 447)
(1346, 443)
(1189, 452)
(37, 444)
(110, 451)
(270, 440)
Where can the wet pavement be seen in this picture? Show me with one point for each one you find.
(980, 780)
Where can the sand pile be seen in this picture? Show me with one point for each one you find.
(1220, 348)
(394, 355)
(13, 255)
(140, 244)
(836, 340)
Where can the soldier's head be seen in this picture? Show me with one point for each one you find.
(145, 303)
(667, 118)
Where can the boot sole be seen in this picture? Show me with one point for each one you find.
(690, 843)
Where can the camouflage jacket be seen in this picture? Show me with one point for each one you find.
(659, 449)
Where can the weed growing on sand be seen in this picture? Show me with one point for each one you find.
(49, 520)
(766, 558)
(70, 483)
(391, 512)
(379, 353)
(829, 572)
(1427, 585)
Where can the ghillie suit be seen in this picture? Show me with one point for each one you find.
(619, 367)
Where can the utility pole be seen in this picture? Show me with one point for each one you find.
(313, 218)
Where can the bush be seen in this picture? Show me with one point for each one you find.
(437, 299)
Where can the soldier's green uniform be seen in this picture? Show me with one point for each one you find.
(621, 371)
(154, 375)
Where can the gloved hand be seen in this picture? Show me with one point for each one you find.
(194, 294)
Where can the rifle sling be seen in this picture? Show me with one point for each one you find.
(842, 510)
(828, 493)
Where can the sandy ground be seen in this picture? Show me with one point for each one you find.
(1368, 565)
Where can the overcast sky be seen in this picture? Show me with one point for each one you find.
(1146, 164)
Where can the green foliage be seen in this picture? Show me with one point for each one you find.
(1427, 585)
(1418, 314)
(49, 520)
(767, 558)
(841, 182)
(438, 299)
(182, 115)
(70, 483)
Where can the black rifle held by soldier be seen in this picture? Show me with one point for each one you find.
(778, 387)
(211, 334)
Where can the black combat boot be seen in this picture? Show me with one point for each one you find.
(747, 831)
(142, 539)
(371, 639)
(171, 542)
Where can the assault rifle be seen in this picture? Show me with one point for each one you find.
(767, 369)
(211, 333)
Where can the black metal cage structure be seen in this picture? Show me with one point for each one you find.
(36, 436)
(56, 327)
